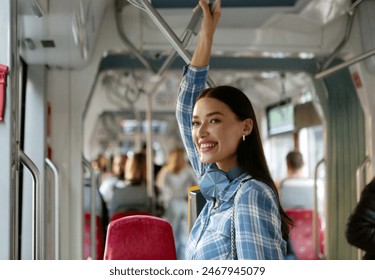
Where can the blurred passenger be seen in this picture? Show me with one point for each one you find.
(103, 164)
(297, 189)
(174, 179)
(132, 194)
(360, 229)
(116, 177)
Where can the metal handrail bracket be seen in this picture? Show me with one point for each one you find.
(56, 177)
(36, 205)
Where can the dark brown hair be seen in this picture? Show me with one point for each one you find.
(294, 160)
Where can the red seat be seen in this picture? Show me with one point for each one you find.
(99, 238)
(140, 237)
(301, 235)
(118, 215)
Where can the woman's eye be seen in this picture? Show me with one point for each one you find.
(194, 123)
(215, 121)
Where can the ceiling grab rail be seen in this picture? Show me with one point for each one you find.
(168, 33)
(359, 187)
(341, 66)
(36, 205)
(191, 29)
(316, 212)
(119, 5)
(56, 180)
(93, 186)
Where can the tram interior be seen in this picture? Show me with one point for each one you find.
(108, 80)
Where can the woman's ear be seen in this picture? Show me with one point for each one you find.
(248, 126)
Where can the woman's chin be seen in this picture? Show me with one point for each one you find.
(206, 160)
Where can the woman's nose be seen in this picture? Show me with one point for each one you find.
(202, 130)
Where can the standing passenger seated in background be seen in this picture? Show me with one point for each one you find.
(132, 195)
(174, 180)
(360, 230)
(219, 130)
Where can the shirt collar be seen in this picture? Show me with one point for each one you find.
(233, 173)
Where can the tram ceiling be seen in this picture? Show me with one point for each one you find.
(65, 33)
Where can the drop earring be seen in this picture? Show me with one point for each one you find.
(243, 137)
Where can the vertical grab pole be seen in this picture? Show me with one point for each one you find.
(10, 56)
(359, 187)
(36, 206)
(56, 176)
(87, 164)
(315, 212)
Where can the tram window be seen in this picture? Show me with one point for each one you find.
(132, 127)
(280, 118)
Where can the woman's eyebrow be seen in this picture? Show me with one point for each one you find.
(210, 114)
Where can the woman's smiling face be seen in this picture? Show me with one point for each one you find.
(216, 132)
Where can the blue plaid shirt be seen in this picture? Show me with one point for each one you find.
(257, 219)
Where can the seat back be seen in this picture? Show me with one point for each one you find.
(302, 234)
(121, 214)
(297, 193)
(140, 237)
(129, 198)
(100, 238)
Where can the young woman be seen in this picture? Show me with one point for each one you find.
(243, 217)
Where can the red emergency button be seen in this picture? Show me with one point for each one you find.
(3, 80)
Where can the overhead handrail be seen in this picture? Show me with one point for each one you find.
(190, 30)
(118, 8)
(56, 177)
(36, 213)
(93, 186)
(341, 45)
(349, 25)
(340, 66)
(315, 212)
(168, 32)
(359, 188)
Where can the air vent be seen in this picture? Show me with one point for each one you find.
(48, 43)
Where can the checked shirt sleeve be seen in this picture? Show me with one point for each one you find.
(193, 82)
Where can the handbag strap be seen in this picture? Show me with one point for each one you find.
(232, 225)
(233, 235)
